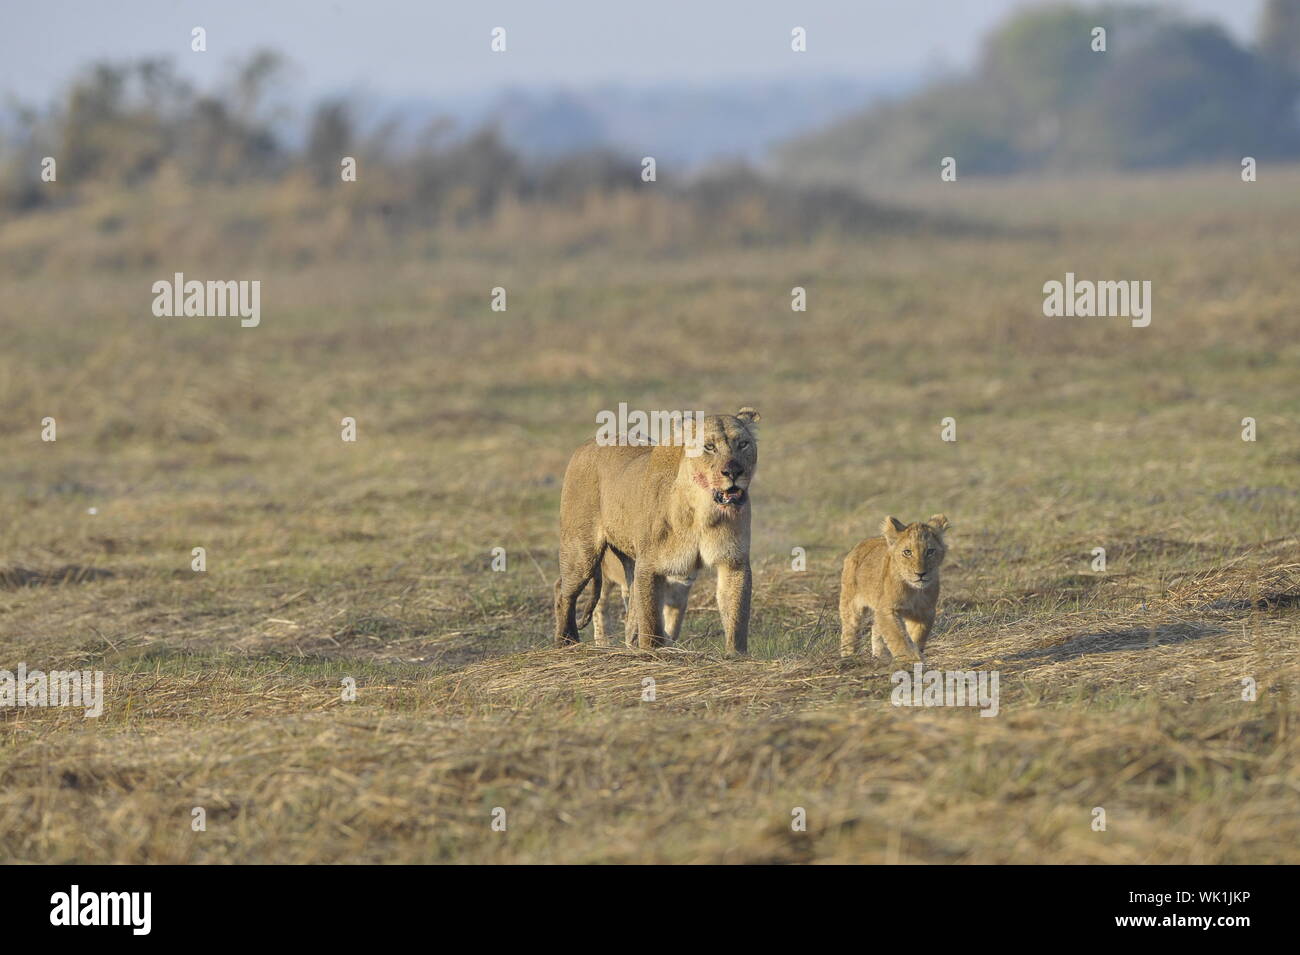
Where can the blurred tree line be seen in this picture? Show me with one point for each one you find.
(1165, 92)
(127, 123)
(140, 126)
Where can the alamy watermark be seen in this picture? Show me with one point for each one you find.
(130, 909)
(924, 687)
(213, 299)
(637, 428)
(1084, 298)
(83, 688)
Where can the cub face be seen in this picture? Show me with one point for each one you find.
(728, 458)
(916, 550)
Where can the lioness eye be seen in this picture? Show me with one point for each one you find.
(710, 448)
(929, 552)
(907, 553)
(744, 444)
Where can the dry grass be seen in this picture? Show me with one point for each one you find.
(372, 561)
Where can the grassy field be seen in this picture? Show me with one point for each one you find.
(371, 560)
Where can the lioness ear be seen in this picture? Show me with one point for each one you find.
(749, 416)
(939, 522)
(891, 527)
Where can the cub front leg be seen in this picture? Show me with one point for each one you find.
(889, 624)
(877, 644)
(677, 591)
(603, 618)
(919, 631)
(644, 609)
(735, 584)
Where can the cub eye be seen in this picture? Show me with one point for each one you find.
(907, 553)
(710, 448)
(929, 552)
(743, 444)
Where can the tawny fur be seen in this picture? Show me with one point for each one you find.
(658, 510)
(677, 591)
(896, 577)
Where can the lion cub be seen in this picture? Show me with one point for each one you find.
(677, 591)
(897, 577)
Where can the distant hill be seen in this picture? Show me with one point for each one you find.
(1166, 91)
(687, 125)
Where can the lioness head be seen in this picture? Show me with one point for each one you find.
(916, 550)
(729, 456)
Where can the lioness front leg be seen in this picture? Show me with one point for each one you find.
(735, 584)
(919, 631)
(889, 624)
(644, 620)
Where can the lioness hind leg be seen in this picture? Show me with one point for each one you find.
(578, 564)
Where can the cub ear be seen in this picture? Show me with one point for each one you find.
(749, 416)
(939, 522)
(891, 527)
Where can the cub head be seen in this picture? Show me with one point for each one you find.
(916, 550)
(729, 455)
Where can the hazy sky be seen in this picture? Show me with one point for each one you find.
(440, 47)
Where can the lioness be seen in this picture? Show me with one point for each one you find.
(666, 513)
(896, 576)
(677, 590)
